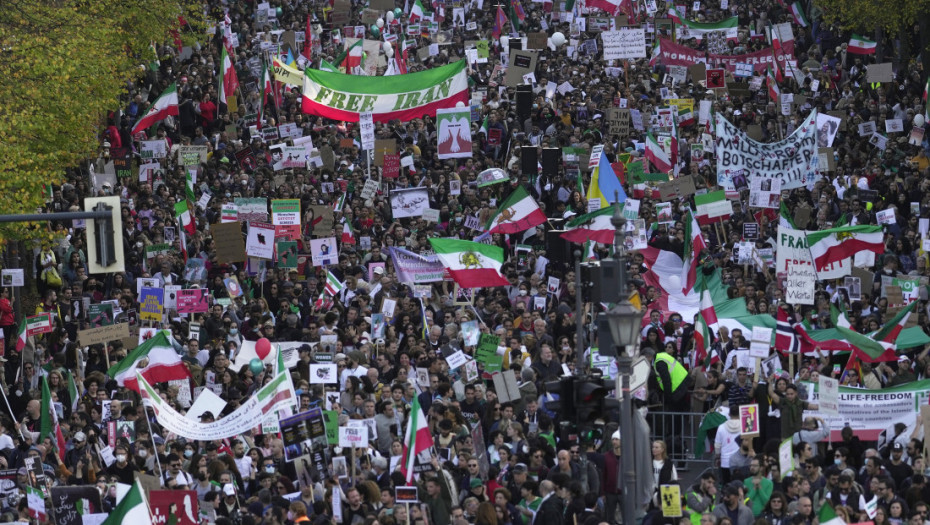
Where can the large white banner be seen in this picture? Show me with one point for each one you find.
(793, 251)
(793, 160)
(870, 412)
(276, 395)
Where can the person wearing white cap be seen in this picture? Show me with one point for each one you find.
(612, 495)
(904, 374)
(230, 503)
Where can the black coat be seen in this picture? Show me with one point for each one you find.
(551, 512)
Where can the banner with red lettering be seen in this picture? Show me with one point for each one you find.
(672, 54)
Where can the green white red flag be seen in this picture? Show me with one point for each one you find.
(229, 82)
(594, 226)
(471, 264)
(694, 245)
(401, 97)
(164, 107)
(518, 213)
(49, 427)
(657, 155)
(836, 244)
(183, 214)
(416, 441)
(861, 46)
(162, 363)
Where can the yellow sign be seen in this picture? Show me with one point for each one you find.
(671, 500)
(685, 105)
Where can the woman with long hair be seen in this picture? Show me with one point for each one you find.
(663, 471)
(776, 511)
(487, 514)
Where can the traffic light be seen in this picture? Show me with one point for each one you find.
(590, 393)
(565, 389)
(105, 236)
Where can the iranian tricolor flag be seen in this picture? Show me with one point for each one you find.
(675, 15)
(267, 87)
(348, 234)
(73, 392)
(22, 338)
(656, 51)
(609, 6)
(229, 82)
(594, 226)
(402, 97)
(657, 155)
(333, 284)
(189, 185)
(800, 17)
(861, 46)
(416, 12)
(708, 312)
(417, 439)
(183, 214)
(49, 420)
(354, 50)
(694, 245)
(484, 125)
(471, 264)
(702, 342)
(163, 363)
(889, 333)
(131, 509)
(927, 99)
(518, 213)
(836, 244)
(774, 90)
(165, 106)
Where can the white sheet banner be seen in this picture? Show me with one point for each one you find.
(869, 412)
(276, 395)
(793, 160)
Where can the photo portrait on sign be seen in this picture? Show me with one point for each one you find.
(324, 251)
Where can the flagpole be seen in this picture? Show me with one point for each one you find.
(11, 412)
(152, 435)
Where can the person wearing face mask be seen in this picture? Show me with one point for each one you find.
(175, 478)
(122, 468)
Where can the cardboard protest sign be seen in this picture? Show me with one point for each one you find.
(227, 237)
(521, 63)
(677, 188)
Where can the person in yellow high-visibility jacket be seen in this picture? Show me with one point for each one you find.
(674, 381)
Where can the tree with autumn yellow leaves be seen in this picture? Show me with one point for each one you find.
(63, 66)
(907, 20)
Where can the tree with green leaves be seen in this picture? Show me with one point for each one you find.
(64, 64)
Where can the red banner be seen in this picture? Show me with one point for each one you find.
(180, 504)
(672, 54)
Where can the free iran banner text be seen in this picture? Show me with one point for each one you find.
(403, 97)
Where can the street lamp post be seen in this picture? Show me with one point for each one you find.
(624, 321)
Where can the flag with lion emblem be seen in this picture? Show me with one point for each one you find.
(454, 134)
(518, 213)
(471, 264)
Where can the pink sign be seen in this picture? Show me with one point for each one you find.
(192, 301)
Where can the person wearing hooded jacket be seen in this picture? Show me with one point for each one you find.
(727, 443)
